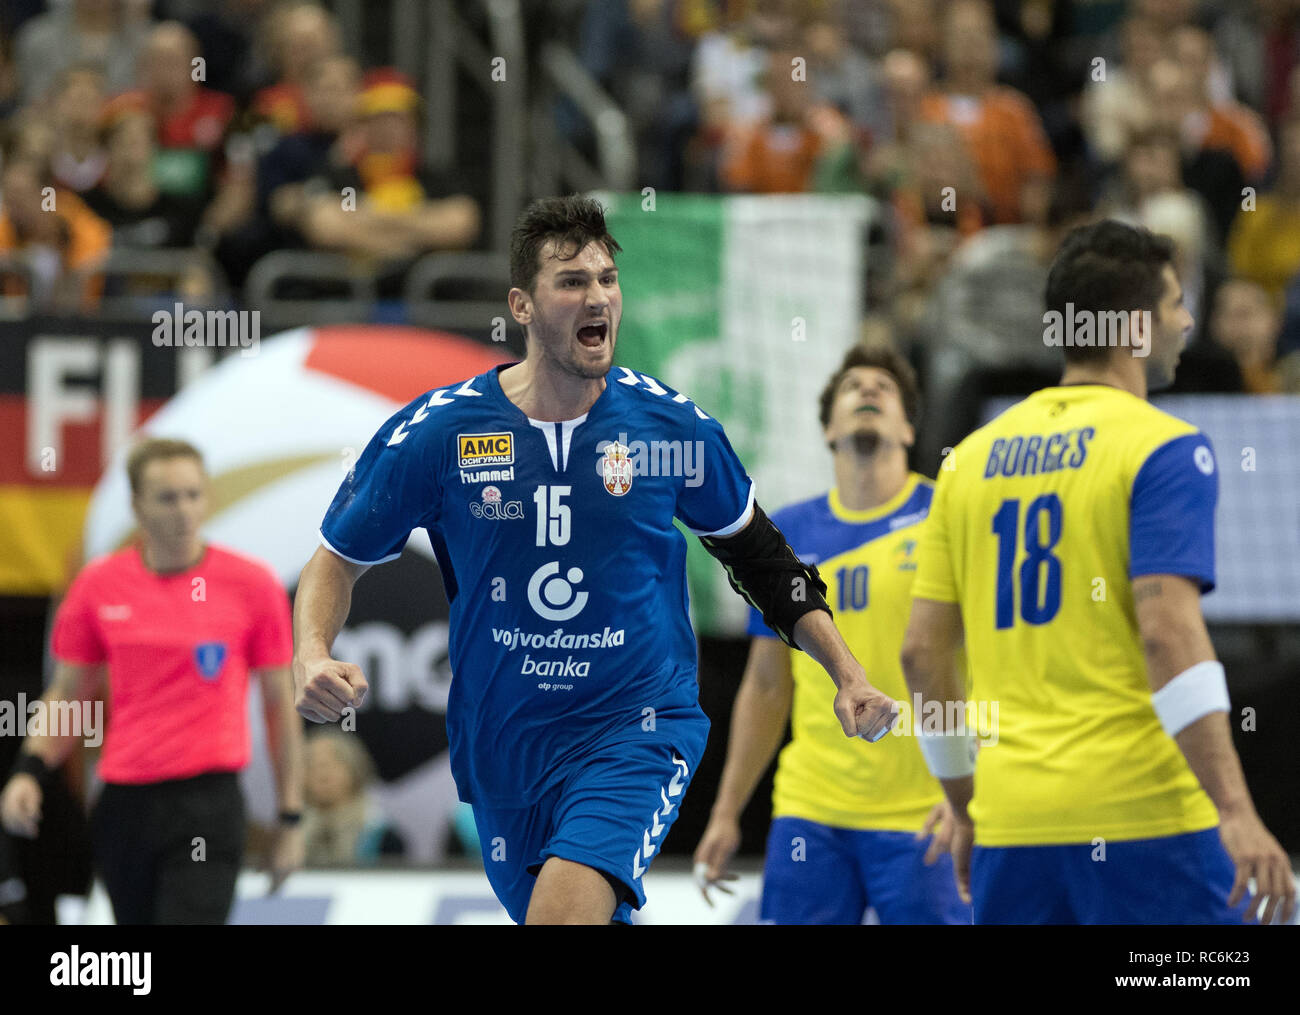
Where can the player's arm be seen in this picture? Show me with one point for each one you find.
(283, 735)
(1190, 695)
(763, 569)
(758, 721)
(284, 743)
(389, 492)
(931, 668)
(323, 685)
(41, 753)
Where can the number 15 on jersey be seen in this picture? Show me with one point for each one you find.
(553, 515)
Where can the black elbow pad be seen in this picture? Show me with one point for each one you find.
(764, 570)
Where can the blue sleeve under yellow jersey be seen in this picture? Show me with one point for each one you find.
(868, 561)
(1040, 521)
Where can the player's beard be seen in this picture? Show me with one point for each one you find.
(1162, 361)
(1159, 373)
(588, 370)
(566, 355)
(1159, 377)
(863, 443)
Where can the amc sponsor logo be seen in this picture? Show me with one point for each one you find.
(476, 450)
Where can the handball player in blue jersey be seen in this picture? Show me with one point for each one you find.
(548, 489)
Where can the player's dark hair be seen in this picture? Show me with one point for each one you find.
(156, 449)
(572, 221)
(881, 357)
(1107, 267)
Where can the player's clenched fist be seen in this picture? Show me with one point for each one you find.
(865, 712)
(323, 688)
(20, 806)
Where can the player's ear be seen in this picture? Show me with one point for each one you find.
(521, 305)
(909, 435)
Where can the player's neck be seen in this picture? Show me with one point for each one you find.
(547, 394)
(171, 560)
(1127, 374)
(867, 482)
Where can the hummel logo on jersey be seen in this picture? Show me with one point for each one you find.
(488, 476)
(478, 449)
(113, 612)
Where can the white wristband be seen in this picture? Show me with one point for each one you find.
(948, 755)
(1194, 693)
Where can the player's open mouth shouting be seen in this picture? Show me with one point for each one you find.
(592, 335)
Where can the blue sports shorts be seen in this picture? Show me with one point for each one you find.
(817, 874)
(611, 812)
(1174, 879)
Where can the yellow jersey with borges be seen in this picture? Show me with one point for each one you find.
(1040, 521)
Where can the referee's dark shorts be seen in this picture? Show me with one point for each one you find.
(170, 852)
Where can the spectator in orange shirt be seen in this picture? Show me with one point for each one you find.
(1221, 121)
(776, 155)
(727, 70)
(55, 235)
(1001, 127)
(303, 34)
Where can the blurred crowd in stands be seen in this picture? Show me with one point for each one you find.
(236, 126)
(986, 129)
(983, 129)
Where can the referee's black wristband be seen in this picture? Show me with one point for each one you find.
(30, 764)
(291, 818)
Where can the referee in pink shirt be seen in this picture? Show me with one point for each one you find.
(176, 625)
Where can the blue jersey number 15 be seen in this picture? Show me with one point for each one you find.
(1038, 604)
